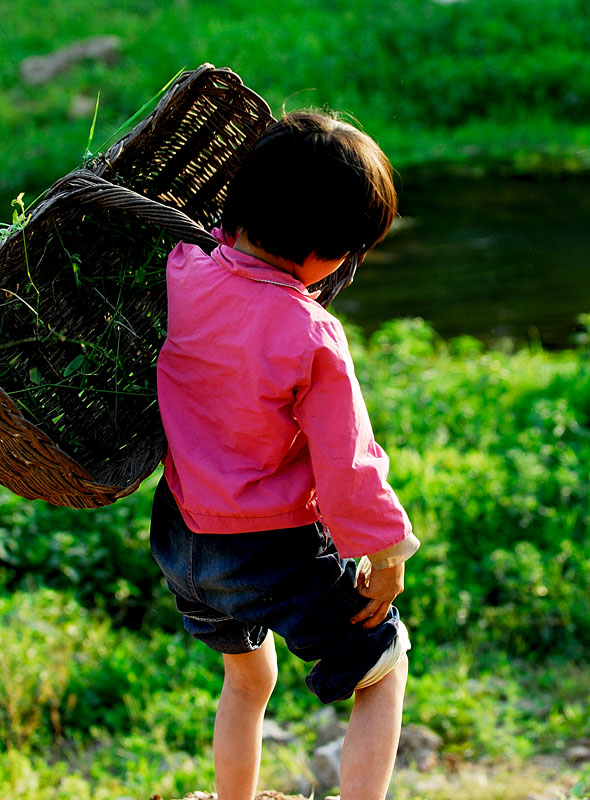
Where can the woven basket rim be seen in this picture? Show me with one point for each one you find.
(97, 183)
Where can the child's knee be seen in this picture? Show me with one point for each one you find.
(254, 686)
(254, 678)
(264, 679)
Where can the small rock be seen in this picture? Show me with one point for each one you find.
(323, 716)
(302, 785)
(420, 745)
(325, 764)
(272, 732)
(42, 69)
(578, 754)
(329, 726)
(549, 763)
(331, 733)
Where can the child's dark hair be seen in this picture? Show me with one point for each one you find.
(312, 184)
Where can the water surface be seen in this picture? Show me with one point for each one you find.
(490, 257)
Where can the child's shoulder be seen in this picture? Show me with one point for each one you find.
(306, 307)
(323, 328)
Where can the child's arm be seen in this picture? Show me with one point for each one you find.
(361, 510)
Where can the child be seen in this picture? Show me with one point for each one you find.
(273, 480)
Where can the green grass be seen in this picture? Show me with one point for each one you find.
(95, 712)
(502, 81)
(489, 449)
(489, 452)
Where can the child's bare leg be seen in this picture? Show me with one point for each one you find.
(372, 738)
(248, 684)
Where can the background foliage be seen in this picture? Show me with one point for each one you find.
(102, 693)
(489, 452)
(480, 80)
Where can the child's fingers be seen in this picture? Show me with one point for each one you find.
(361, 582)
(378, 616)
(372, 614)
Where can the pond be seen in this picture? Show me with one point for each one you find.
(490, 257)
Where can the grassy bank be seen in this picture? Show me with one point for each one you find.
(486, 82)
(489, 453)
(97, 712)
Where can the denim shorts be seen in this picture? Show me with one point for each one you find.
(232, 588)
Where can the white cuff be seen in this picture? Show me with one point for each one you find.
(390, 658)
(395, 554)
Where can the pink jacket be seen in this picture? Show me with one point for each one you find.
(264, 416)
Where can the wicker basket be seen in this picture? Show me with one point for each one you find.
(73, 285)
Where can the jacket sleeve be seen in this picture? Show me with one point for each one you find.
(359, 507)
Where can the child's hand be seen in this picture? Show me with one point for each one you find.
(383, 587)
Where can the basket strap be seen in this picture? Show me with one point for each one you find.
(89, 189)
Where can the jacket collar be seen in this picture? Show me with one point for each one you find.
(248, 266)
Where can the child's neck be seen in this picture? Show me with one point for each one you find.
(244, 245)
(311, 271)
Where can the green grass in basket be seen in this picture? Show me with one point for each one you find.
(114, 361)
